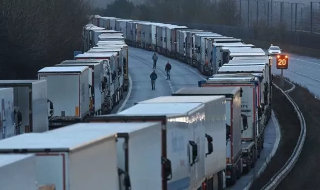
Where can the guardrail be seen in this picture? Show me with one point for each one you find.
(284, 171)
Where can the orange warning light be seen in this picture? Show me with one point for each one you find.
(282, 61)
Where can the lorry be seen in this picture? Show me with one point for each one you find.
(138, 150)
(201, 51)
(251, 137)
(31, 106)
(215, 130)
(68, 90)
(18, 171)
(115, 72)
(231, 52)
(232, 125)
(183, 131)
(218, 56)
(96, 81)
(7, 122)
(70, 161)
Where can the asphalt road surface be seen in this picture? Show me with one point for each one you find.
(304, 71)
(140, 68)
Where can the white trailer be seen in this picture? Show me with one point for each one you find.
(68, 90)
(182, 42)
(200, 47)
(184, 127)
(96, 81)
(138, 150)
(251, 69)
(88, 35)
(215, 130)
(251, 139)
(233, 124)
(18, 172)
(191, 45)
(115, 77)
(266, 86)
(105, 22)
(231, 52)
(121, 25)
(69, 161)
(110, 37)
(7, 123)
(30, 104)
(217, 56)
(171, 32)
(116, 73)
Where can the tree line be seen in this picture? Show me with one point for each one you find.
(180, 11)
(38, 33)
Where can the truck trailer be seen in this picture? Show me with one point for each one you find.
(138, 151)
(70, 161)
(232, 125)
(251, 136)
(68, 90)
(30, 104)
(215, 131)
(7, 122)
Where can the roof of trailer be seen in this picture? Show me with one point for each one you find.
(168, 109)
(208, 91)
(182, 99)
(233, 44)
(77, 69)
(88, 54)
(251, 68)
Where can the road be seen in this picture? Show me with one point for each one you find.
(182, 75)
(140, 67)
(304, 71)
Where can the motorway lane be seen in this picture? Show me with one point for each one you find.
(302, 70)
(140, 67)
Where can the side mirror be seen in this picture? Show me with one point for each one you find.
(241, 91)
(193, 153)
(126, 178)
(210, 144)
(166, 163)
(228, 130)
(244, 122)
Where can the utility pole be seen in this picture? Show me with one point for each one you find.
(291, 12)
(271, 12)
(257, 11)
(296, 16)
(311, 16)
(248, 13)
(281, 13)
(240, 8)
(268, 9)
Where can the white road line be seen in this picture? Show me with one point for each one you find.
(292, 88)
(284, 171)
(127, 97)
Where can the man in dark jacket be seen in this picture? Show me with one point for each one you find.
(168, 68)
(155, 59)
(153, 77)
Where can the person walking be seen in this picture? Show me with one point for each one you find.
(155, 59)
(153, 77)
(168, 68)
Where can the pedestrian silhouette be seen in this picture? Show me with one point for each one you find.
(153, 77)
(167, 69)
(155, 59)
